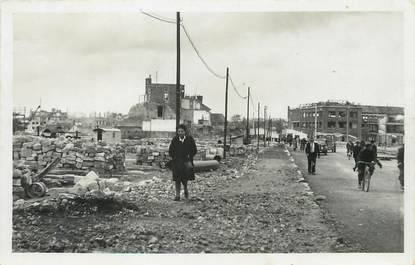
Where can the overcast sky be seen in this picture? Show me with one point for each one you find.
(99, 62)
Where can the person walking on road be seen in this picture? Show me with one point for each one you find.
(312, 151)
(182, 150)
(356, 150)
(401, 161)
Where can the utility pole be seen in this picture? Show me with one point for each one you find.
(257, 143)
(265, 122)
(178, 92)
(270, 126)
(226, 113)
(347, 123)
(247, 118)
(315, 122)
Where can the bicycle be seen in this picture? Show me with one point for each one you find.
(366, 175)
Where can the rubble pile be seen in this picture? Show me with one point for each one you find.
(225, 213)
(35, 153)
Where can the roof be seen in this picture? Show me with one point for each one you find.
(383, 110)
(204, 107)
(107, 130)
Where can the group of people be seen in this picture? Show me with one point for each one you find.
(183, 148)
(367, 152)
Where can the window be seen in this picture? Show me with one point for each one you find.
(353, 125)
(373, 128)
(342, 114)
(331, 124)
(332, 114)
(303, 125)
(159, 111)
(342, 124)
(113, 134)
(353, 114)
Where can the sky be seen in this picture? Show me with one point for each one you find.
(99, 62)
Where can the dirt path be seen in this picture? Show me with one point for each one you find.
(257, 207)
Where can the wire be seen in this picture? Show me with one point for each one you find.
(236, 90)
(198, 54)
(167, 20)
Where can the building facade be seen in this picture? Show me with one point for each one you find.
(162, 95)
(378, 123)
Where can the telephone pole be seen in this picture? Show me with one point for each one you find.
(257, 142)
(265, 122)
(178, 92)
(270, 126)
(226, 113)
(315, 122)
(247, 118)
(347, 123)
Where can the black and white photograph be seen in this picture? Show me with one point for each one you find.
(137, 131)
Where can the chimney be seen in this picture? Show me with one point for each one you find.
(148, 80)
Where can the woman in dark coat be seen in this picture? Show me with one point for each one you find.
(182, 150)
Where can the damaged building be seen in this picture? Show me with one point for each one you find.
(382, 124)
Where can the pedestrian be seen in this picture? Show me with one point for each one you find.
(356, 151)
(312, 151)
(182, 150)
(295, 144)
(401, 164)
(302, 144)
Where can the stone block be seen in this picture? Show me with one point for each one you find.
(37, 146)
(26, 152)
(100, 159)
(16, 156)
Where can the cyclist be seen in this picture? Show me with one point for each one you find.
(366, 155)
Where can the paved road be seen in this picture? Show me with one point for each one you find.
(372, 219)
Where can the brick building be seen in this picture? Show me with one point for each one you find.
(162, 95)
(379, 123)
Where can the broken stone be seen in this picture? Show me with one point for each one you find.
(320, 198)
(153, 240)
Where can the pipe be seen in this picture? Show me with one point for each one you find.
(205, 165)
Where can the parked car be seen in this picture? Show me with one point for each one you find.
(327, 142)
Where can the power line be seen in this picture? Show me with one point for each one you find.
(198, 54)
(235, 89)
(195, 49)
(167, 20)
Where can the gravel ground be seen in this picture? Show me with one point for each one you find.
(249, 205)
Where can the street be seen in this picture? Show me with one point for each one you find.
(371, 219)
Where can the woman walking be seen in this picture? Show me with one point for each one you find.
(182, 150)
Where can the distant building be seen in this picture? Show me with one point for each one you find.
(108, 135)
(162, 95)
(194, 111)
(157, 128)
(130, 128)
(217, 119)
(382, 124)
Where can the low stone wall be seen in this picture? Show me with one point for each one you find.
(36, 153)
